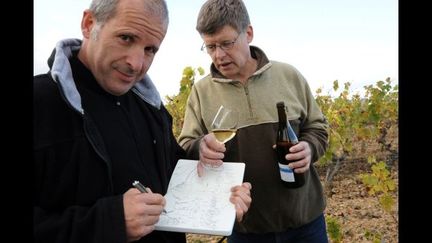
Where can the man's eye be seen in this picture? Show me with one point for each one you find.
(211, 47)
(151, 50)
(126, 38)
(226, 44)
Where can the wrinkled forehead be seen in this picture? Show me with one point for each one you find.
(137, 17)
(142, 11)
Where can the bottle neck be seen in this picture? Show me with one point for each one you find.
(285, 130)
(282, 117)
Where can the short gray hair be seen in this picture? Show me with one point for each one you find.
(104, 10)
(215, 14)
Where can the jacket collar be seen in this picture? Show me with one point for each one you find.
(61, 72)
(263, 64)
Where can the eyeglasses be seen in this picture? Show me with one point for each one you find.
(226, 45)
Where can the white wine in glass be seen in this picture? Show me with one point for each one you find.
(224, 127)
(224, 135)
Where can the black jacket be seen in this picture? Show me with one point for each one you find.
(73, 190)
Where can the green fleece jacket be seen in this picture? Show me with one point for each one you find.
(274, 207)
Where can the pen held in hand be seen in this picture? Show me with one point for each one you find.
(142, 189)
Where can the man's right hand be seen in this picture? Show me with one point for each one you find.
(142, 211)
(211, 153)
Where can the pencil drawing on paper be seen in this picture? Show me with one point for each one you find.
(201, 204)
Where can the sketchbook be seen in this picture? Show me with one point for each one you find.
(201, 204)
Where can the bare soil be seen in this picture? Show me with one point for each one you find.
(358, 212)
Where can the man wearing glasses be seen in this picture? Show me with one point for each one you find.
(244, 79)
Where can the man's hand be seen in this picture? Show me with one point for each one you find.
(241, 198)
(302, 153)
(211, 153)
(142, 211)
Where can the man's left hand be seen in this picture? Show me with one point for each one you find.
(241, 198)
(302, 153)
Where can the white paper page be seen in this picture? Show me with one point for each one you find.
(201, 204)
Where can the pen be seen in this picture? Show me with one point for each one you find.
(142, 189)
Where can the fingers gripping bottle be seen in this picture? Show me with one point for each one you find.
(286, 138)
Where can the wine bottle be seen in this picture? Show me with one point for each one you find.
(286, 138)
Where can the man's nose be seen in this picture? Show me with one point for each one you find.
(135, 60)
(219, 52)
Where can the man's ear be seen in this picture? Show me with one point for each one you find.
(249, 34)
(87, 23)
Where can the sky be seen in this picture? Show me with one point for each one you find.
(352, 41)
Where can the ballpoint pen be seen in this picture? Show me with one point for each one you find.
(142, 189)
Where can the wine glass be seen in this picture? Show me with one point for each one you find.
(224, 128)
(224, 125)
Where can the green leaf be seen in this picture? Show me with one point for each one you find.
(335, 85)
(387, 202)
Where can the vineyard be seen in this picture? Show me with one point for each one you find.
(359, 170)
